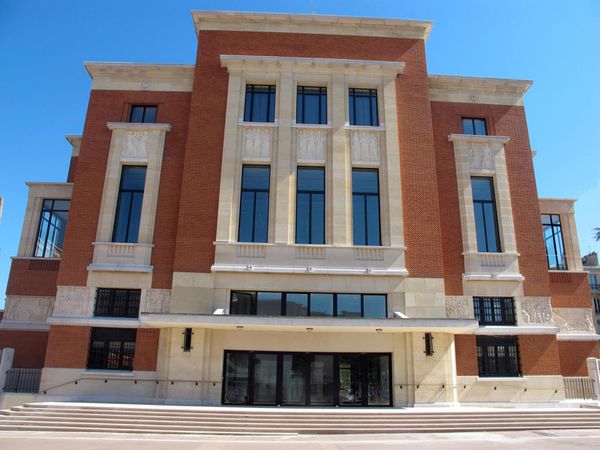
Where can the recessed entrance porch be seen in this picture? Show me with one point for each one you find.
(306, 379)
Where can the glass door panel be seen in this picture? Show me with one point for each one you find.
(378, 380)
(236, 377)
(293, 380)
(321, 380)
(265, 379)
(350, 387)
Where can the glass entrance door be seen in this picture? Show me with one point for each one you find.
(307, 379)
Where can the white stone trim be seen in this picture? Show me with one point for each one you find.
(314, 66)
(35, 199)
(577, 337)
(95, 321)
(311, 24)
(462, 89)
(27, 326)
(27, 309)
(75, 141)
(492, 330)
(141, 76)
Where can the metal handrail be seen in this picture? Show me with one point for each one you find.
(134, 381)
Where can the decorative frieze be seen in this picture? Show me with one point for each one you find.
(533, 311)
(311, 145)
(257, 142)
(481, 160)
(365, 145)
(574, 320)
(459, 307)
(135, 146)
(155, 301)
(74, 301)
(27, 309)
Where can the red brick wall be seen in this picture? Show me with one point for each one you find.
(72, 169)
(570, 290)
(36, 277)
(573, 355)
(539, 354)
(146, 349)
(200, 184)
(30, 347)
(113, 106)
(68, 346)
(506, 121)
(466, 354)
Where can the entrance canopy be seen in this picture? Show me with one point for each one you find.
(310, 324)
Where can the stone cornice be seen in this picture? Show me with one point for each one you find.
(274, 64)
(141, 76)
(138, 126)
(462, 89)
(310, 24)
(75, 141)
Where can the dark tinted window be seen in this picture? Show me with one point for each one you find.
(311, 105)
(486, 220)
(254, 204)
(310, 206)
(268, 303)
(474, 126)
(498, 356)
(143, 114)
(349, 305)
(129, 204)
(553, 239)
(365, 207)
(260, 103)
(112, 349)
(117, 302)
(363, 107)
(51, 229)
(321, 304)
(494, 310)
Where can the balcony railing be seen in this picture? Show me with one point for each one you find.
(23, 380)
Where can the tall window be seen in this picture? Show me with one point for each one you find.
(486, 219)
(310, 206)
(260, 103)
(363, 107)
(498, 356)
(112, 349)
(254, 204)
(143, 114)
(594, 282)
(365, 207)
(129, 205)
(555, 246)
(474, 126)
(597, 305)
(117, 302)
(51, 230)
(311, 105)
(494, 310)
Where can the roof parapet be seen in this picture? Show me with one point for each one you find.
(463, 89)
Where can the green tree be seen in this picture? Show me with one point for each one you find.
(597, 233)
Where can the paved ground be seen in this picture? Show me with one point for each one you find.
(530, 440)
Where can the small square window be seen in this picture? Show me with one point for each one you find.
(474, 126)
(143, 114)
(260, 103)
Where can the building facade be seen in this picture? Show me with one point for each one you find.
(304, 217)
(590, 265)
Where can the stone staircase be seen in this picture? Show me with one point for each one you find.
(127, 418)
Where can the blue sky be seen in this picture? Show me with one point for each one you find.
(44, 88)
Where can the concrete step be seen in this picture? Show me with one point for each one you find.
(249, 421)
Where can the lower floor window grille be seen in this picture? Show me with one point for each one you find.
(112, 349)
(498, 356)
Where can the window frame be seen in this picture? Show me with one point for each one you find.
(99, 359)
(145, 109)
(131, 305)
(39, 227)
(472, 121)
(271, 95)
(507, 310)
(310, 203)
(254, 191)
(483, 359)
(364, 195)
(495, 210)
(596, 302)
(553, 226)
(131, 193)
(322, 95)
(283, 313)
(373, 114)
